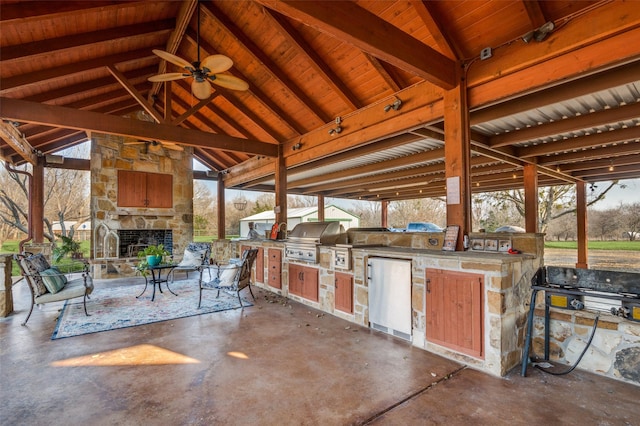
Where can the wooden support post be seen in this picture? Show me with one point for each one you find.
(37, 201)
(531, 198)
(581, 217)
(457, 151)
(384, 214)
(221, 210)
(281, 187)
(320, 208)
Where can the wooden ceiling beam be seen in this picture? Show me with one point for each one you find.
(604, 80)
(437, 27)
(17, 141)
(534, 12)
(317, 63)
(187, 7)
(581, 122)
(589, 43)
(54, 46)
(629, 148)
(38, 11)
(23, 111)
(579, 143)
(135, 94)
(262, 58)
(88, 86)
(355, 25)
(395, 84)
(59, 73)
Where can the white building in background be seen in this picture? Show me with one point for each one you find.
(82, 230)
(265, 220)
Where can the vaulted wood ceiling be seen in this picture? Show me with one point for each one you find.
(569, 103)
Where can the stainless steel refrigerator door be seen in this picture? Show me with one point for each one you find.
(390, 296)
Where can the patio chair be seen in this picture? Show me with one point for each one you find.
(195, 255)
(48, 284)
(234, 276)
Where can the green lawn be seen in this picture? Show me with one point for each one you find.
(596, 245)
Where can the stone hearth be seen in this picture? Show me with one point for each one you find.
(110, 254)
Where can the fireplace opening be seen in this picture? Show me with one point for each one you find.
(134, 240)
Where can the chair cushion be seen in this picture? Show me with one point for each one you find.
(53, 280)
(33, 265)
(191, 258)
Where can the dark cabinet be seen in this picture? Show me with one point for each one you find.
(344, 292)
(142, 189)
(303, 281)
(454, 310)
(274, 264)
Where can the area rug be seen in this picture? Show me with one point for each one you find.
(111, 308)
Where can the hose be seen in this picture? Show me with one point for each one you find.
(562, 373)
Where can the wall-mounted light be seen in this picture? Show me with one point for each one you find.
(611, 166)
(54, 159)
(297, 146)
(336, 129)
(540, 33)
(393, 106)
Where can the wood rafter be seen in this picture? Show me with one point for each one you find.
(372, 35)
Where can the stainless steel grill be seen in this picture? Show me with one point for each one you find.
(305, 239)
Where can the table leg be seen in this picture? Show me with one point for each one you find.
(146, 282)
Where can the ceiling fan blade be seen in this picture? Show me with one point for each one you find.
(167, 77)
(201, 89)
(229, 81)
(216, 63)
(172, 58)
(173, 146)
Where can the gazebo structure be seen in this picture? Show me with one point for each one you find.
(362, 100)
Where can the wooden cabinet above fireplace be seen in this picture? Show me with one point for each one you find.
(143, 189)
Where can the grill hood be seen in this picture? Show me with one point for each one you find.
(316, 232)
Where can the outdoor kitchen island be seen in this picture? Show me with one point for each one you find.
(470, 306)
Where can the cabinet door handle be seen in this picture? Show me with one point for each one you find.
(428, 285)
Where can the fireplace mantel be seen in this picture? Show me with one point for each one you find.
(141, 212)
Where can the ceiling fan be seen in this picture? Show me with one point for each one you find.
(204, 73)
(147, 144)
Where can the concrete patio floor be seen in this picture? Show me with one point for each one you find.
(275, 363)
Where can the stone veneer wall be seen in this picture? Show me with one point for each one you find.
(614, 351)
(108, 155)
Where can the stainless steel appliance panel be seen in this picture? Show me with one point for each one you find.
(390, 296)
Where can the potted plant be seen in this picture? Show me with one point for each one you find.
(152, 255)
(69, 245)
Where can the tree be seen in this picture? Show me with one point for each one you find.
(553, 201)
(630, 215)
(417, 210)
(204, 207)
(369, 213)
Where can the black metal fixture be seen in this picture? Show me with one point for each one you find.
(336, 129)
(393, 106)
(240, 203)
(540, 33)
(297, 146)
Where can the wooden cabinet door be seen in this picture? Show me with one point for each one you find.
(142, 189)
(274, 277)
(454, 310)
(132, 189)
(310, 283)
(344, 292)
(295, 279)
(159, 190)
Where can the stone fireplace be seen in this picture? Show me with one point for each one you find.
(120, 232)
